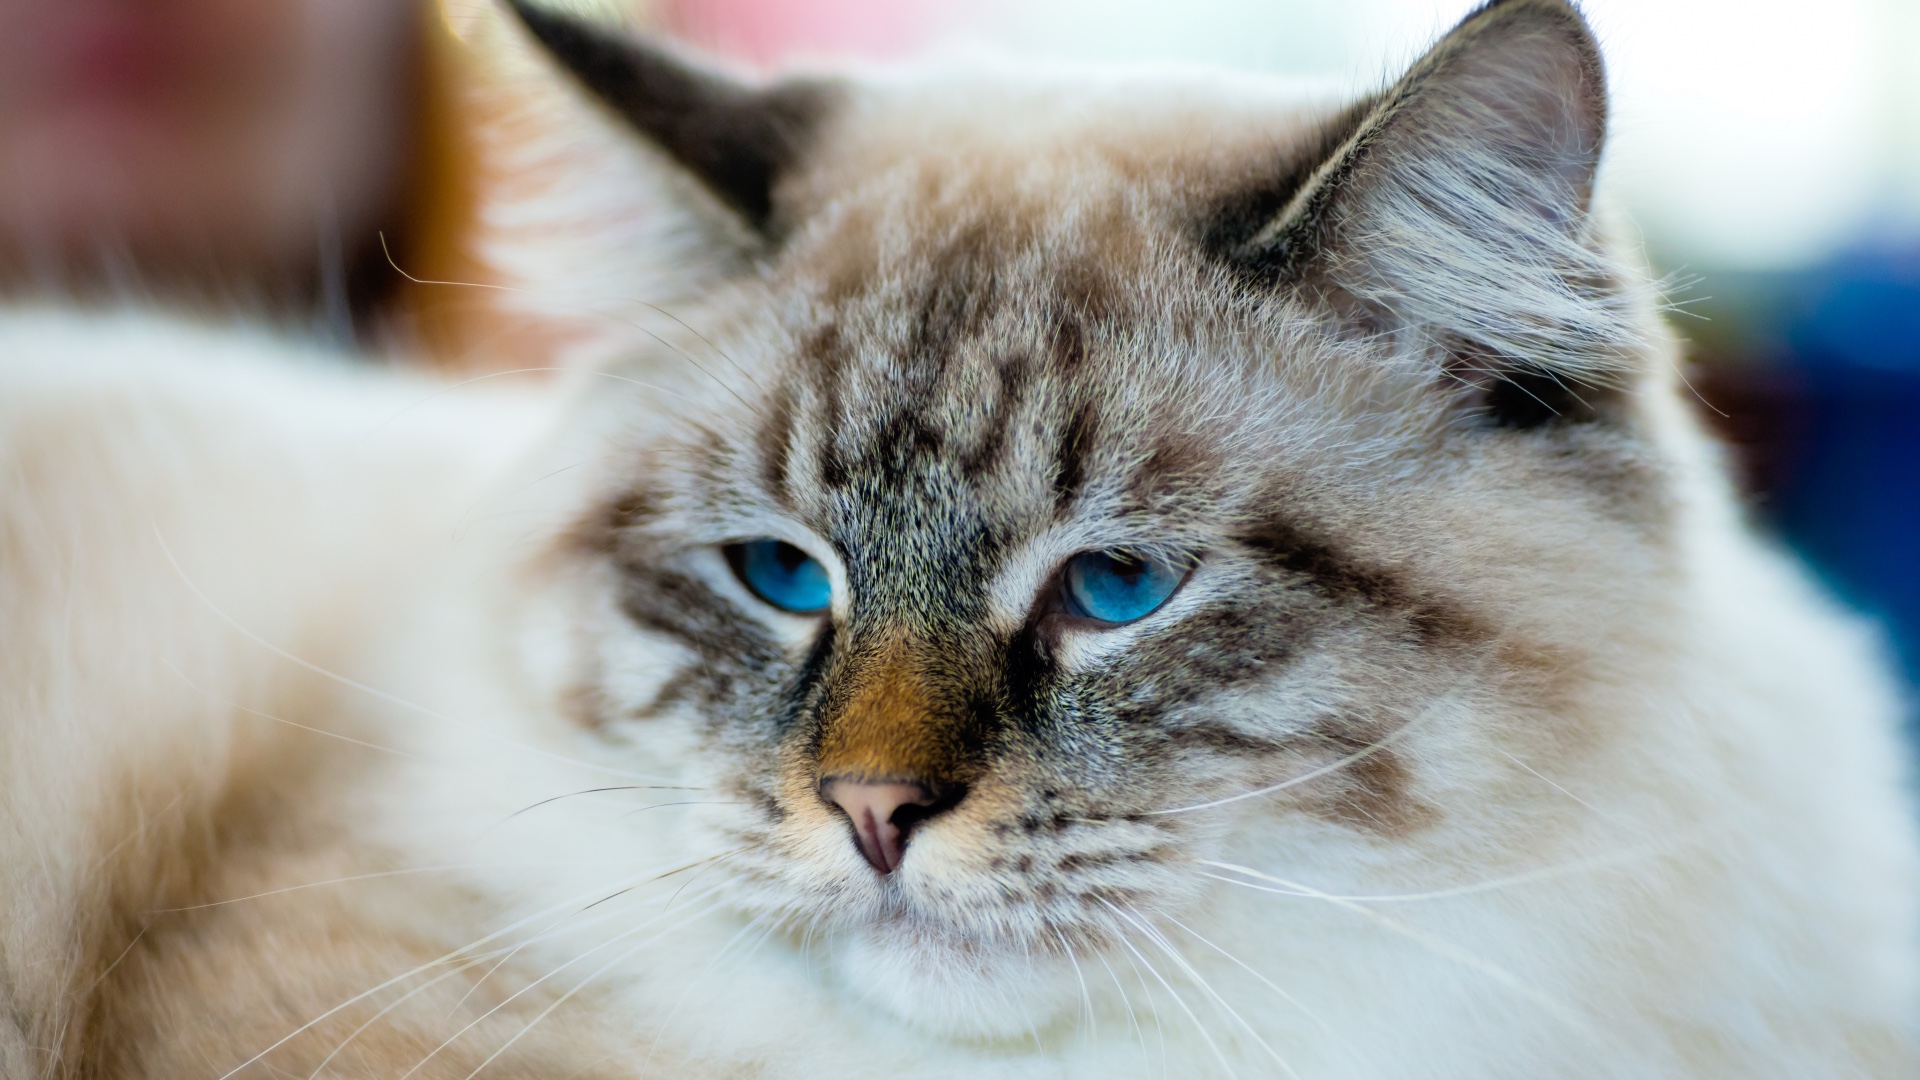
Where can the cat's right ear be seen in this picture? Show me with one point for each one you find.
(737, 140)
(1457, 204)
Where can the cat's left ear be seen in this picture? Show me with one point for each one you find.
(736, 140)
(1458, 204)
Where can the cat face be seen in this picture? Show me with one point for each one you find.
(1071, 488)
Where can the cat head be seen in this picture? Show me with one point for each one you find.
(1059, 489)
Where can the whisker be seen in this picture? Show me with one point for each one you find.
(630, 324)
(1621, 857)
(403, 976)
(1603, 815)
(1439, 947)
(1269, 983)
(596, 973)
(1086, 996)
(710, 864)
(561, 926)
(684, 802)
(389, 1007)
(660, 1029)
(333, 881)
(1175, 994)
(1133, 1018)
(597, 791)
(218, 700)
(139, 830)
(510, 998)
(1361, 754)
(1220, 1002)
(689, 866)
(108, 970)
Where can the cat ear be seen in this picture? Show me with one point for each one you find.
(737, 140)
(1458, 203)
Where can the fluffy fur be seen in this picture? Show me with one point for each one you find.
(352, 729)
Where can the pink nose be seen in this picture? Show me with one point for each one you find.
(882, 815)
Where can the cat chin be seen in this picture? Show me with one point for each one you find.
(952, 989)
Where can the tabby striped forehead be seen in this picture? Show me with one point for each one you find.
(942, 411)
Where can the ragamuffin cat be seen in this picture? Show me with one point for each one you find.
(1093, 579)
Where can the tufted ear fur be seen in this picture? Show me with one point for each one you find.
(737, 140)
(1457, 204)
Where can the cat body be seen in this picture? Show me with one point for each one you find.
(1470, 732)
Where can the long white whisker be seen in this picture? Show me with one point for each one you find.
(1133, 1018)
(1602, 814)
(568, 923)
(600, 790)
(660, 1029)
(405, 975)
(339, 881)
(1437, 946)
(510, 998)
(1620, 857)
(596, 973)
(218, 700)
(704, 340)
(1269, 983)
(1199, 980)
(1086, 995)
(389, 1007)
(1361, 754)
(1175, 994)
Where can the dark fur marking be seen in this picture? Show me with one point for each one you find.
(599, 531)
(1084, 297)
(1524, 398)
(1013, 376)
(809, 686)
(775, 441)
(1178, 462)
(962, 293)
(1091, 860)
(736, 139)
(905, 438)
(676, 689)
(1069, 345)
(1070, 470)
(1375, 793)
(825, 350)
(684, 608)
(1289, 548)
(1222, 739)
(1215, 650)
(1507, 392)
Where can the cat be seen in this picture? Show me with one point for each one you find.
(1091, 578)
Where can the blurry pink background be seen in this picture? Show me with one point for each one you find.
(765, 32)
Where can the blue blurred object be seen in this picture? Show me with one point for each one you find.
(1849, 499)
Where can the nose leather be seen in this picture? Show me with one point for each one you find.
(882, 813)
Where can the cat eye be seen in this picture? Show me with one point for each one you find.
(1118, 586)
(782, 575)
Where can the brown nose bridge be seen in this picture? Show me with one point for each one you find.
(890, 726)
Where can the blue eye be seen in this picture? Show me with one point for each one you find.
(782, 575)
(1118, 587)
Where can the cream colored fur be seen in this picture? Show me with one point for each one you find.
(299, 771)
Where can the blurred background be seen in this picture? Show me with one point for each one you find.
(291, 156)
